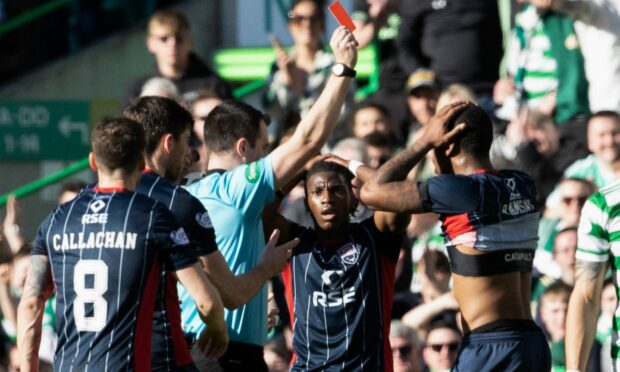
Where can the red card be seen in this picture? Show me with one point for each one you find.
(341, 15)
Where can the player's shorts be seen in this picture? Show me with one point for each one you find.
(521, 349)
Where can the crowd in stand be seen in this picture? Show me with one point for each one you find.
(555, 114)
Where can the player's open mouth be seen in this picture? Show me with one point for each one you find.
(328, 214)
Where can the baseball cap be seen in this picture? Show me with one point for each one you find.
(421, 78)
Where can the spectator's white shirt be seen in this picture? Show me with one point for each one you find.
(598, 29)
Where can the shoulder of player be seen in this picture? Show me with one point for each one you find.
(463, 182)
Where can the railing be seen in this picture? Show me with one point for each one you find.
(32, 14)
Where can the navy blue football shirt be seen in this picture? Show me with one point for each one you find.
(106, 249)
(169, 348)
(340, 297)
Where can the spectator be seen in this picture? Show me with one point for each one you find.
(352, 149)
(546, 65)
(298, 76)
(564, 248)
(160, 87)
(604, 325)
(422, 94)
(169, 40)
(442, 344)
(377, 22)
(597, 24)
(453, 93)
(69, 190)
(381, 147)
(405, 348)
(11, 229)
(433, 275)
(553, 307)
(202, 106)
(573, 194)
(370, 118)
(602, 166)
(431, 30)
(532, 144)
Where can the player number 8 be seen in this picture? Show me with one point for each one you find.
(94, 295)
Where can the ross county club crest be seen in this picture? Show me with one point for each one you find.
(348, 254)
(179, 237)
(204, 220)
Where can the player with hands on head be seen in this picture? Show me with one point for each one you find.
(490, 226)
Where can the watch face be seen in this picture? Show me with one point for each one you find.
(338, 69)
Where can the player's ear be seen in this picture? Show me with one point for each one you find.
(241, 147)
(167, 143)
(92, 162)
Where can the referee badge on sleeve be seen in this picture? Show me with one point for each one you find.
(179, 237)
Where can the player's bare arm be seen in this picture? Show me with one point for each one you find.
(380, 191)
(583, 312)
(318, 124)
(214, 340)
(38, 288)
(236, 291)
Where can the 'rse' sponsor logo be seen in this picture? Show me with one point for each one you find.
(333, 299)
(94, 218)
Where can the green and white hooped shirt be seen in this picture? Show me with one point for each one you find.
(599, 241)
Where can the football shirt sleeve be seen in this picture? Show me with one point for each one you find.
(250, 186)
(593, 243)
(172, 241)
(449, 194)
(194, 217)
(40, 242)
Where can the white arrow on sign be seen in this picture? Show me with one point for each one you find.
(66, 126)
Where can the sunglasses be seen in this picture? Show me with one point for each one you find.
(298, 19)
(404, 350)
(164, 38)
(452, 347)
(570, 199)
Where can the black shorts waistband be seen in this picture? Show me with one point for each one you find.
(506, 325)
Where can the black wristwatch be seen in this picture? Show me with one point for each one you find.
(340, 69)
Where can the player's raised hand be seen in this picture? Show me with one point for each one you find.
(344, 46)
(276, 256)
(213, 340)
(438, 132)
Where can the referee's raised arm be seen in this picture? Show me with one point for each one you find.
(316, 127)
